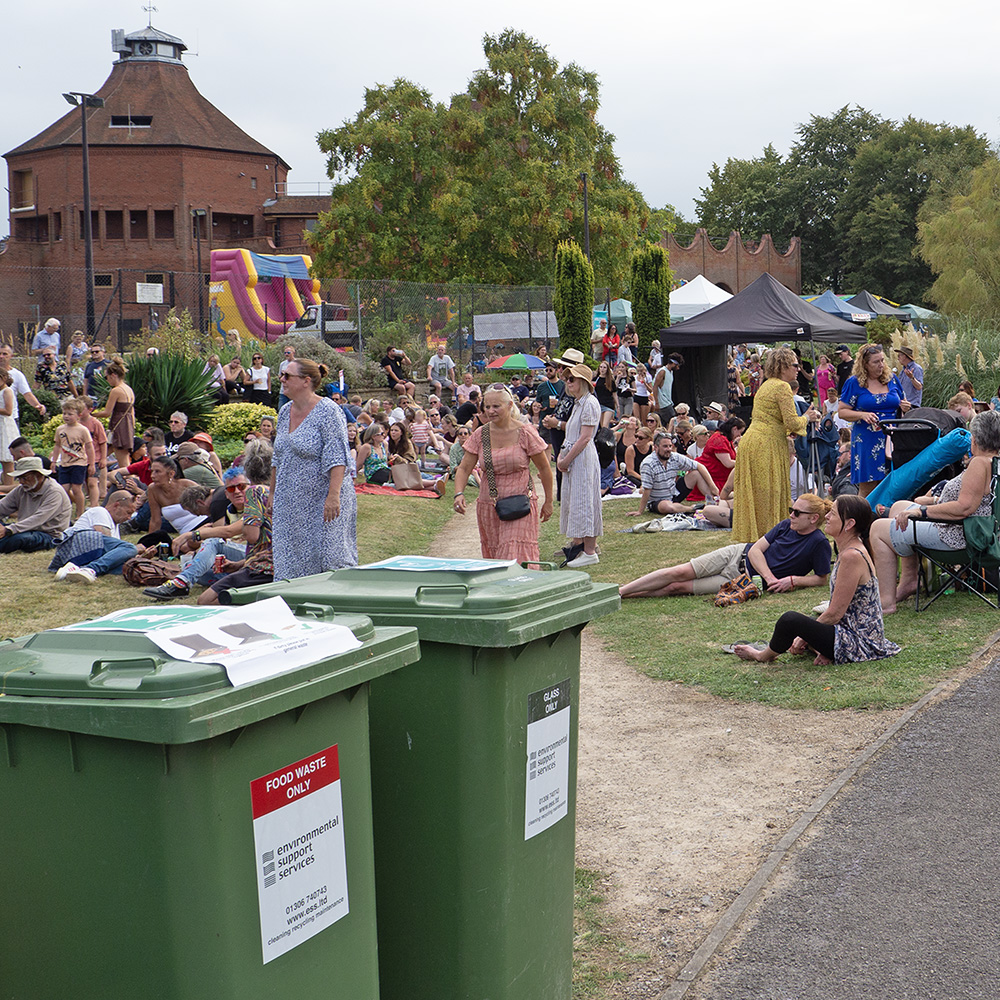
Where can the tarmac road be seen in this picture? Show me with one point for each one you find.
(896, 896)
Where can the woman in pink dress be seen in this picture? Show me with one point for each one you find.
(514, 445)
(826, 376)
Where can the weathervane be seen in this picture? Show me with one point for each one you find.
(149, 8)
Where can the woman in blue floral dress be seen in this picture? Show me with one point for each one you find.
(315, 510)
(870, 395)
(851, 629)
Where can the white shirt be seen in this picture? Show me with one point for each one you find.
(94, 517)
(625, 355)
(260, 376)
(20, 385)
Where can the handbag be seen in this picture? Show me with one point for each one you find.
(510, 508)
(737, 591)
(406, 476)
(982, 534)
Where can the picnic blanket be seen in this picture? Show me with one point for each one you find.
(389, 491)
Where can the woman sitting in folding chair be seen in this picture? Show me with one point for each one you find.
(970, 494)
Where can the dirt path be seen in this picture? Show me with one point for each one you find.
(682, 795)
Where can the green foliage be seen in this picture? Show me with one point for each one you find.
(852, 187)
(164, 383)
(483, 188)
(30, 417)
(750, 196)
(892, 177)
(177, 335)
(665, 220)
(573, 298)
(880, 331)
(48, 431)
(650, 291)
(962, 246)
(237, 419)
(970, 350)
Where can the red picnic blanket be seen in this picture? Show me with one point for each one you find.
(389, 491)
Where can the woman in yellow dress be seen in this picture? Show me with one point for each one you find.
(762, 490)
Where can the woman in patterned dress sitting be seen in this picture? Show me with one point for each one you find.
(851, 628)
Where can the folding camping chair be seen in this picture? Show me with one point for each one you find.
(977, 571)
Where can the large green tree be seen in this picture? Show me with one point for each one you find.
(962, 246)
(892, 178)
(483, 189)
(750, 196)
(852, 187)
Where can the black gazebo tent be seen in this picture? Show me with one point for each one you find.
(868, 302)
(765, 312)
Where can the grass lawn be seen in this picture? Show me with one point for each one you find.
(680, 638)
(30, 600)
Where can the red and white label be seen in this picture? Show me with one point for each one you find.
(298, 829)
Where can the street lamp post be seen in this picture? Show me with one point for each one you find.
(86, 101)
(586, 219)
(198, 214)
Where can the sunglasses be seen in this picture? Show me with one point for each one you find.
(792, 511)
(237, 488)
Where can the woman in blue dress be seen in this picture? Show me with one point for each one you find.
(315, 510)
(870, 395)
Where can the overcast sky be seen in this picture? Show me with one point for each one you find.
(682, 86)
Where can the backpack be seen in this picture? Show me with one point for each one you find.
(141, 571)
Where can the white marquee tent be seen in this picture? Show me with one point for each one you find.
(695, 297)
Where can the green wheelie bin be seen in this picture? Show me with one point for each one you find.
(174, 828)
(474, 755)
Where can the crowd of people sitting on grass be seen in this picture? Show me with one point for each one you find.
(612, 428)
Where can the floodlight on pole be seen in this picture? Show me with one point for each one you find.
(85, 101)
(198, 214)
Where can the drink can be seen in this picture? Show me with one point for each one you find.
(220, 561)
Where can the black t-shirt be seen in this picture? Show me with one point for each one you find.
(173, 442)
(466, 412)
(397, 370)
(219, 506)
(521, 391)
(92, 369)
(844, 369)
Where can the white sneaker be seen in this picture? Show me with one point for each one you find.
(64, 570)
(583, 559)
(81, 574)
(820, 608)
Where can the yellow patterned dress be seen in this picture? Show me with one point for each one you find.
(762, 490)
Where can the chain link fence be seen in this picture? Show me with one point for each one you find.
(127, 301)
(475, 321)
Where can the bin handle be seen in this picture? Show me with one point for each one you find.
(309, 610)
(541, 565)
(127, 674)
(442, 595)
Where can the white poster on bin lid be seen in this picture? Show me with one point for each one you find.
(252, 641)
(298, 832)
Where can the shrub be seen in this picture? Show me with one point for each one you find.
(48, 433)
(177, 335)
(969, 351)
(651, 281)
(30, 417)
(237, 419)
(164, 383)
(573, 297)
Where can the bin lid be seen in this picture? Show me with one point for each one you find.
(479, 602)
(123, 685)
